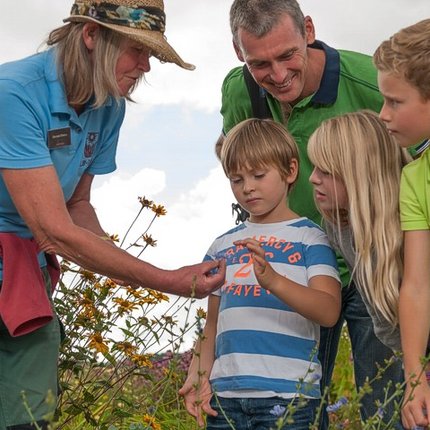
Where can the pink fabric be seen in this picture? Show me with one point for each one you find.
(24, 303)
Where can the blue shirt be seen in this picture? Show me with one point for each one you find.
(263, 347)
(35, 122)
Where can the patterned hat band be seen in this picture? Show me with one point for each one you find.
(144, 18)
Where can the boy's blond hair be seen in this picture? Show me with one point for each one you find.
(407, 54)
(256, 143)
(357, 149)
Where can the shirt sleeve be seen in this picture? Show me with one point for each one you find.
(22, 138)
(236, 103)
(320, 256)
(412, 215)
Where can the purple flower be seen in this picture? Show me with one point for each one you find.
(314, 377)
(337, 405)
(277, 410)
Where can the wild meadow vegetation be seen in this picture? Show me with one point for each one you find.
(123, 358)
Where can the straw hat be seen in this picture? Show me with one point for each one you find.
(141, 20)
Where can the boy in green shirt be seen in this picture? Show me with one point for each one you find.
(403, 64)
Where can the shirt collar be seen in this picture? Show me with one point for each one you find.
(327, 92)
(419, 149)
(57, 95)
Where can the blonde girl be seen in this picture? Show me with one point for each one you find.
(356, 177)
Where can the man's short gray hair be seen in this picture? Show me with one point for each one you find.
(258, 17)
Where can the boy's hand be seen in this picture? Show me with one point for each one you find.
(262, 268)
(197, 399)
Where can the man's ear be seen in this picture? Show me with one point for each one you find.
(309, 30)
(90, 33)
(238, 52)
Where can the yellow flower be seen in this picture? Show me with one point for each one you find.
(124, 305)
(126, 347)
(201, 313)
(97, 343)
(149, 240)
(137, 294)
(88, 276)
(151, 421)
(86, 302)
(145, 202)
(113, 237)
(157, 295)
(147, 301)
(108, 283)
(159, 210)
(141, 360)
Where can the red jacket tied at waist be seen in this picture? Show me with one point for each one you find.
(24, 302)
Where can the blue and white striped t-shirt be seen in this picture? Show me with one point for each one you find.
(263, 347)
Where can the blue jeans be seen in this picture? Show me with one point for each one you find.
(367, 351)
(259, 414)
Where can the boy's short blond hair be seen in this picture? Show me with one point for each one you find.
(256, 143)
(407, 54)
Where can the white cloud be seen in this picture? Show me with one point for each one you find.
(116, 200)
(194, 218)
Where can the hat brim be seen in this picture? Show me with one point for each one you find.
(154, 40)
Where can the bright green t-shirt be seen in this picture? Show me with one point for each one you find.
(349, 83)
(414, 194)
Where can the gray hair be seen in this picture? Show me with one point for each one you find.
(82, 78)
(258, 17)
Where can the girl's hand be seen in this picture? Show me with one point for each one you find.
(416, 402)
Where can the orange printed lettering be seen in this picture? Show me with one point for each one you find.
(294, 258)
(231, 287)
(288, 246)
(243, 272)
(279, 244)
(248, 288)
(271, 241)
(238, 291)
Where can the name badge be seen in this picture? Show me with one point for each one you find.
(59, 138)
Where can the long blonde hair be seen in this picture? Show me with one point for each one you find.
(357, 149)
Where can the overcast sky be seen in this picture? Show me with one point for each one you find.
(166, 144)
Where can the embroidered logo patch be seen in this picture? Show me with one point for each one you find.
(90, 144)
